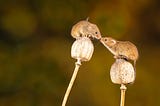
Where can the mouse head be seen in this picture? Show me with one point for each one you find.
(108, 41)
(94, 31)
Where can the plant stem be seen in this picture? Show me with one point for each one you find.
(77, 65)
(123, 90)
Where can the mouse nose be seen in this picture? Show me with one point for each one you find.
(101, 39)
(98, 37)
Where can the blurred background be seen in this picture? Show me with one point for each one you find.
(35, 43)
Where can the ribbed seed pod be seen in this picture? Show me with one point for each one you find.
(82, 49)
(122, 72)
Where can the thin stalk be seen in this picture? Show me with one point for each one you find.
(123, 90)
(77, 65)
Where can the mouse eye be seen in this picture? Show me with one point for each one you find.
(96, 32)
(105, 39)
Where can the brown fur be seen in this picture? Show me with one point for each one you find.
(85, 28)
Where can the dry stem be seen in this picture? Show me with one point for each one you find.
(77, 65)
(123, 90)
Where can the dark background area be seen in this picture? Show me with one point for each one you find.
(35, 44)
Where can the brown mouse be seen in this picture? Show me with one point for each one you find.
(85, 29)
(121, 49)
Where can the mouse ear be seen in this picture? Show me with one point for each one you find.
(113, 41)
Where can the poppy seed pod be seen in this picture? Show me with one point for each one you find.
(122, 72)
(82, 49)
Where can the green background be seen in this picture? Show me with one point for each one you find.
(35, 43)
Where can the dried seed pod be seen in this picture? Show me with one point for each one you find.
(122, 72)
(82, 49)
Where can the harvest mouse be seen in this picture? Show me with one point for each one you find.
(121, 49)
(85, 29)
